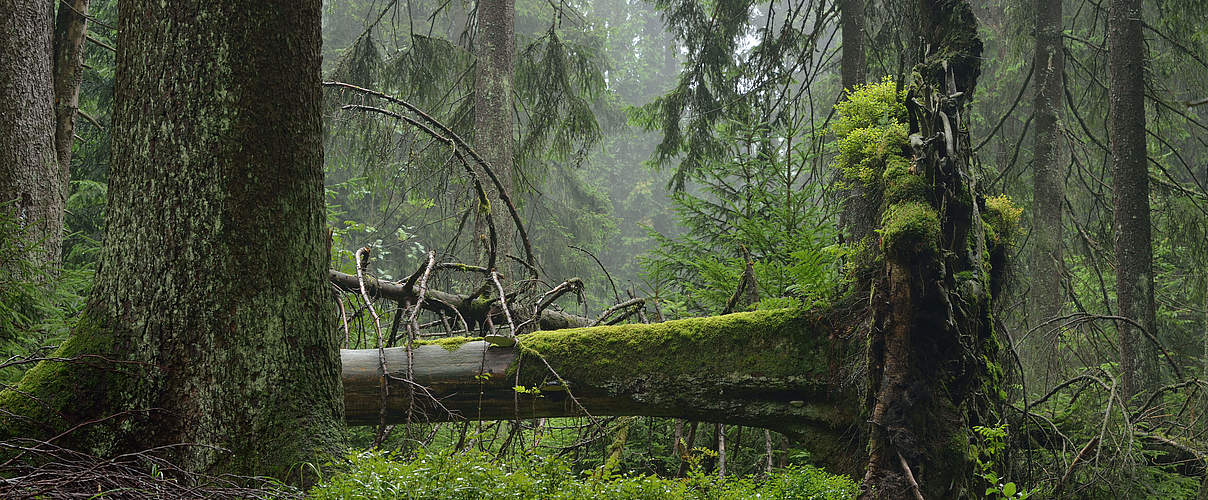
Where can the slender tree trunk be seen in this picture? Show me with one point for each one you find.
(1048, 184)
(33, 185)
(212, 296)
(858, 217)
(1130, 174)
(495, 48)
(70, 29)
(851, 13)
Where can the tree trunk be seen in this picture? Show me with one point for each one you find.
(764, 369)
(1048, 183)
(932, 335)
(495, 48)
(1130, 174)
(860, 204)
(33, 185)
(211, 299)
(851, 13)
(70, 29)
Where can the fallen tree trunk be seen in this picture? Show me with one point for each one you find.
(765, 369)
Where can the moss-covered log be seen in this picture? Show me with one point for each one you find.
(768, 369)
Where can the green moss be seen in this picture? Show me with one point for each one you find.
(902, 184)
(53, 393)
(448, 343)
(871, 105)
(865, 153)
(1001, 218)
(910, 230)
(772, 343)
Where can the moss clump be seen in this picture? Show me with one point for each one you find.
(902, 184)
(1002, 219)
(910, 230)
(866, 152)
(872, 137)
(448, 343)
(775, 343)
(871, 105)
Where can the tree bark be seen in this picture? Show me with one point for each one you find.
(33, 185)
(70, 29)
(851, 13)
(1048, 193)
(495, 48)
(1130, 175)
(216, 177)
(762, 369)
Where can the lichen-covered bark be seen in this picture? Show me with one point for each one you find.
(769, 369)
(1130, 176)
(1048, 193)
(932, 341)
(33, 186)
(212, 293)
(495, 48)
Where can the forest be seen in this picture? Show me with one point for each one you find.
(618, 249)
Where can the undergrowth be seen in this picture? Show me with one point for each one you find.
(475, 475)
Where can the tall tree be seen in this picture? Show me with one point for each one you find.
(69, 35)
(33, 185)
(495, 49)
(210, 307)
(859, 205)
(1048, 186)
(1130, 175)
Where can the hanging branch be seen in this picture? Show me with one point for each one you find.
(447, 135)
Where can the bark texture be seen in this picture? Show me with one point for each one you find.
(1048, 193)
(70, 30)
(495, 49)
(212, 296)
(1130, 175)
(932, 345)
(33, 186)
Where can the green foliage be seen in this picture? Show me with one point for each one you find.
(455, 476)
(756, 200)
(993, 440)
(873, 105)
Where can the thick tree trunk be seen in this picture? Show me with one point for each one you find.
(33, 185)
(1048, 193)
(495, 48)
(932, 336)
(216, 178)
(851, 14)
(764, 369)
(1130, 175)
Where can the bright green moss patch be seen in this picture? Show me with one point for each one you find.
(865, 153)
(775, 343)
(871, 105)
(901, 184)
(448, 343)
(1002, 219)
(910, 230)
